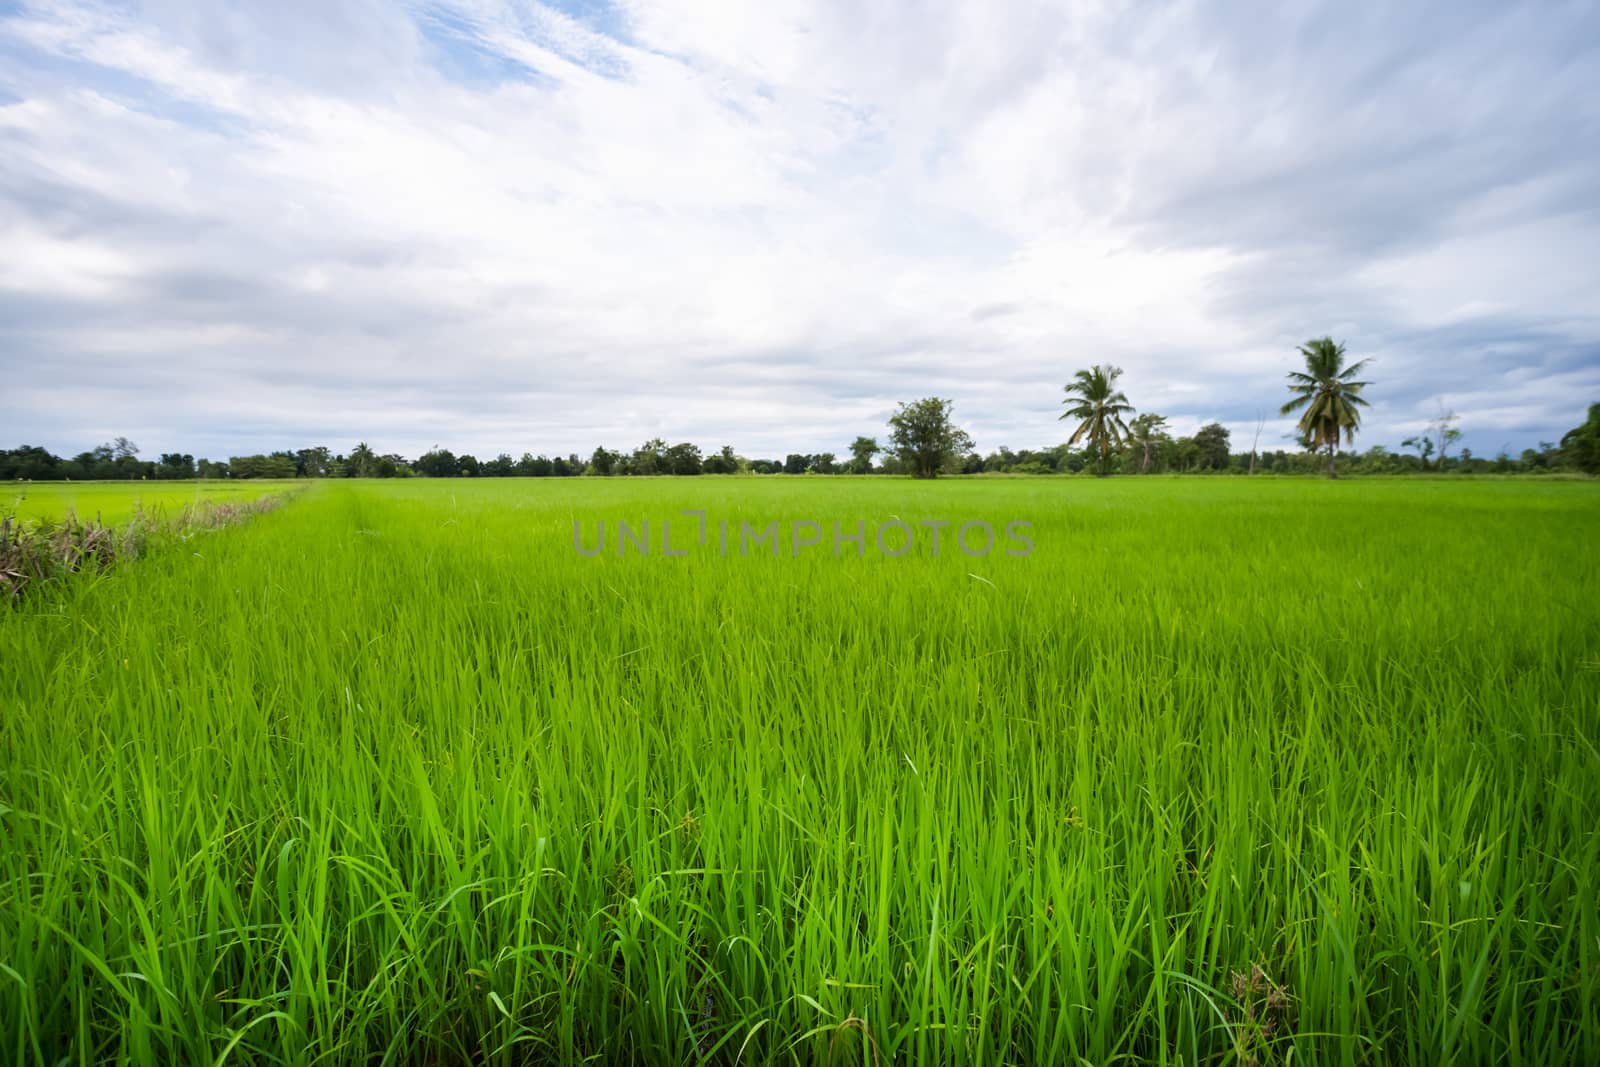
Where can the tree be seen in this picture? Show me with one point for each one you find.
(438, 463)
(647, 458)
(1377, 460)
(123, 461)
(924, 438)
(31, 463)
(603, 462)
(862, 449)
(1580, 446)
(723, 462)
(1423, 443)
(1095, 401)
(1187, 453)
(1144, 433)
(1443, 430)
(825, 463)
(1331, 399)
(682, 458)
(363, 461)
(277, 465)
(1063, 459)
(313, 462)
(1001, 459)
(796, 463)
(1212, 442)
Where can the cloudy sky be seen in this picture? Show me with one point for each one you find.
(508, 226)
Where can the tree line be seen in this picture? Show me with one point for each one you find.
(1149, 449)
(924, 442)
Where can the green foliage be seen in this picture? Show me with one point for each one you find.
(1211, 447)
(925, 437)
(649, 458)
(1142, 444)
(1424, 445)
(723, 462)
(862, 449)
(363, 462)
(1094, 400)
(392, 776)
(1580, 446)
(276, 465)
(682, 458)
(438, 463)
(1147, 436)
(1331, 399)
(1443, 429)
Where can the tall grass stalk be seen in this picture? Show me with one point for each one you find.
(1223, 773)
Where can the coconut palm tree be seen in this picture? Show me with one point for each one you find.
(1099, 406)
(362, 461)
(1331, 400)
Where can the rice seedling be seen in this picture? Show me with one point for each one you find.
(114, 503)
(1225, 772)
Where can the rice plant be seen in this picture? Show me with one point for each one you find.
(1223, 772)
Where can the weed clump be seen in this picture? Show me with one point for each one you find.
(32, 553)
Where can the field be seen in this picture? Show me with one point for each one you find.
(114, 502)
(1223, 771)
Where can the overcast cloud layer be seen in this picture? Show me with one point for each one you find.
(230, 227)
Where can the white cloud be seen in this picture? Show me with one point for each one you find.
(499, 226)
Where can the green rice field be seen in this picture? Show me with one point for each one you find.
(1222, 771)
(114, 502)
